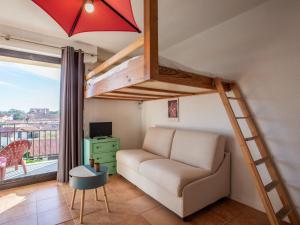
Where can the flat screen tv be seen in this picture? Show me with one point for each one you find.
(102, 129)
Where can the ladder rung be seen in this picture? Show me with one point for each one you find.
(283, 212)
(260, 161)
(234, 98)
(242, 117)
(269, 187)
(250, 138)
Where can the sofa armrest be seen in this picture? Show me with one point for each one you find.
(207, 190)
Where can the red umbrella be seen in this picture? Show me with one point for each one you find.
(77, 16)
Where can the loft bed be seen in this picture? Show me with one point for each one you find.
(142, 78)
(128, 81)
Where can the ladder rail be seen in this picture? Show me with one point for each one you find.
(246, 152)
(270, 165)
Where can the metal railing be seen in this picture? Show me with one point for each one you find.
(44, 138)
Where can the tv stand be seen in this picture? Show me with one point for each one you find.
(102, 150)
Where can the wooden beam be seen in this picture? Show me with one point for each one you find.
(141, 94)
(180, 77)
(111, 94)
(157, 97)
(151, 37)
(160, 90)
(116, 58)
(119, 98)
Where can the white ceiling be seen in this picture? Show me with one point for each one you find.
(231, 48)
(178, 20)
(204, 36)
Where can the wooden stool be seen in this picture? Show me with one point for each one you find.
(85, 178)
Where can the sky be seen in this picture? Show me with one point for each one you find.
(25, 86)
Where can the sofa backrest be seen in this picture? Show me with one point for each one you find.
(199, 149)
(159, 140)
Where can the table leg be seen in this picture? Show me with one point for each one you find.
(73, 198)
(105, 198)
(82, 206)
(96, 195)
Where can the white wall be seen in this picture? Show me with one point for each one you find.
(124, 115)
(261, 50)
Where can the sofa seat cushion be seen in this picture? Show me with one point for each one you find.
(170, 174)
(133, 157)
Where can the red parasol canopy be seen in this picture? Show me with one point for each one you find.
(77, 16)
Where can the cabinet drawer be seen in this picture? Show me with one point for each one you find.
(105, 157)
(112, 167)
(105, 147)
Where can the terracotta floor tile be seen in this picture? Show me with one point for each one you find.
(14, 210)
(44, 193)
(27, 193)
(122, 208)
(142, 203)
(70, 222)
(54, 216)
(27, 220)
(125, 219)
(162, 216)
(227, 209)
(250, 216)
(50, 203)
(98, 217)
(207, 217)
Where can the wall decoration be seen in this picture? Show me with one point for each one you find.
(173, 109)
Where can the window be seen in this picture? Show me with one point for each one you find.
(29, 111)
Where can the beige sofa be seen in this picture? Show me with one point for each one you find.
(183, 170)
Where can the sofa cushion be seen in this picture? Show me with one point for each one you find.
(200, 149)
(133, 157)
(158, 141)
(170, 174)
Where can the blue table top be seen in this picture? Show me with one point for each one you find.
(87, 171)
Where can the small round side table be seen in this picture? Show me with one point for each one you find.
(84, 178)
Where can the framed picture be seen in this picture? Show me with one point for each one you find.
(173, 109)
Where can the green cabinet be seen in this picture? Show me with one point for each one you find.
(103, 151)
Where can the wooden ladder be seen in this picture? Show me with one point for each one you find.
(276, 184)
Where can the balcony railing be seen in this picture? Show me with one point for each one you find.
(44, 138)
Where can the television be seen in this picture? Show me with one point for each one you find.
(101, 129)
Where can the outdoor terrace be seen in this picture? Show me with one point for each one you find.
(42, 156)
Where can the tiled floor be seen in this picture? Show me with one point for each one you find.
(48, 204)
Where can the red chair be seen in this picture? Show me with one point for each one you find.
(13, 153)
